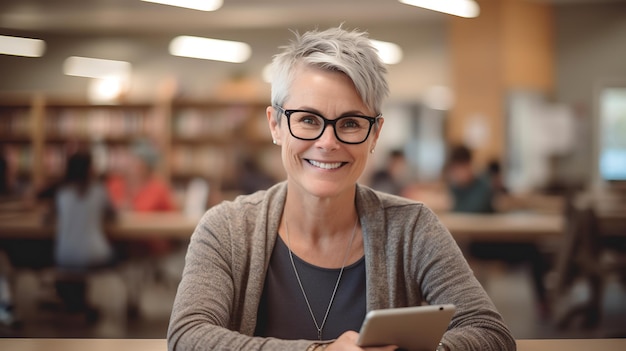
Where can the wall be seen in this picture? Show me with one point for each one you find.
(590, 49)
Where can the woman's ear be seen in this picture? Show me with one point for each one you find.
(379, 127)
(272, 121)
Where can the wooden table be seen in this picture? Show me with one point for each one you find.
(161, 345)
(519, 227)
(514, 226)
(128, 226)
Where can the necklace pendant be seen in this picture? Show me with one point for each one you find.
(319, 335)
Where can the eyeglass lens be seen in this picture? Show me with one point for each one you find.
(349, 129)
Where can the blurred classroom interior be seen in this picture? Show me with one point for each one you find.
(527, 99)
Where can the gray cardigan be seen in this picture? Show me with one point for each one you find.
(410, 258)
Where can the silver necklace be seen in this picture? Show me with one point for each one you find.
(320, 327)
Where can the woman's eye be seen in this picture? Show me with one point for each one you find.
(309, 120)
(350, 123)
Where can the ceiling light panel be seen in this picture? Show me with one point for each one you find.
(201, 5)
(389, 53)
(210, 49)
(21, 46)
(461, 8)
(96, 68)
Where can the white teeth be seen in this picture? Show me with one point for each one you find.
(325, 165)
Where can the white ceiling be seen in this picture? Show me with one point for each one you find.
(137, 17)
(138, 32)
(134, 16)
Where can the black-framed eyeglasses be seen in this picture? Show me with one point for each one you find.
(308, 125)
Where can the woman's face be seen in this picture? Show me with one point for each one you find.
(324, 167)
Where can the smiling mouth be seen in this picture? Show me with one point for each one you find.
(324, 165)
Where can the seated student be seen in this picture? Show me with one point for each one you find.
(393, 177)
(4, 174)
(297, 266)
(470, 192)
(81, 207)
(477, 193)
(138, 187)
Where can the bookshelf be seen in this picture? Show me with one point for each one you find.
(18, 138)
(213, 139)
(207, 139)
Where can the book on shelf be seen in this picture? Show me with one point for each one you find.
(204, 161)
(97, 123)
(19, 157)
(15, 122)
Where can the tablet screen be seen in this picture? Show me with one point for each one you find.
(412, 328)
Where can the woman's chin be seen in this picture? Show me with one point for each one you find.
(327, 188)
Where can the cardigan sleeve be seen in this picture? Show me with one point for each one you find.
(204, 314)
(445, 277)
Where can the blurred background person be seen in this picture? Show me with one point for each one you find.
(13, 190)
(477, 192)
(393, 177)
(470, 192)
(81, 207)
(7, 317)
(252, 178)
(138, 187)
(494, 173)
(4, 174)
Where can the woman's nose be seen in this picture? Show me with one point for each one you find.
(328, 139)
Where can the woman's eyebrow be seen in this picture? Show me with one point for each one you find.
(347, 113)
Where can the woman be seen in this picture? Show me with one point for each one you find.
(82, 206)
(296, 267)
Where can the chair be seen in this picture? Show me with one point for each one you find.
(76, 297)
(594, 250)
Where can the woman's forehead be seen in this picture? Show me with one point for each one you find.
(323, 89)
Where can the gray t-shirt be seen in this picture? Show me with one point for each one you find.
(80, 238)
(283, 312)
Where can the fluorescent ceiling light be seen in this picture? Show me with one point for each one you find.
(96, 68)
(21, 46)
(210, 49)
(105, 90)
(202, 5)
(389, 53)
(461, 8)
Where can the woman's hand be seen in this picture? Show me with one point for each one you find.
(347, 342)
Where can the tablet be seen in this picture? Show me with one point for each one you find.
(417, 328)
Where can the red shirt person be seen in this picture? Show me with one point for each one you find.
(138, 187)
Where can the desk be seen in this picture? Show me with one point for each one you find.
(518, 227)
(161, 344)
(128, 226)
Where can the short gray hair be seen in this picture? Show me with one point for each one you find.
(334, 49)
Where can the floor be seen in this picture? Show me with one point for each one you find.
(512, 294)
(510, 289)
